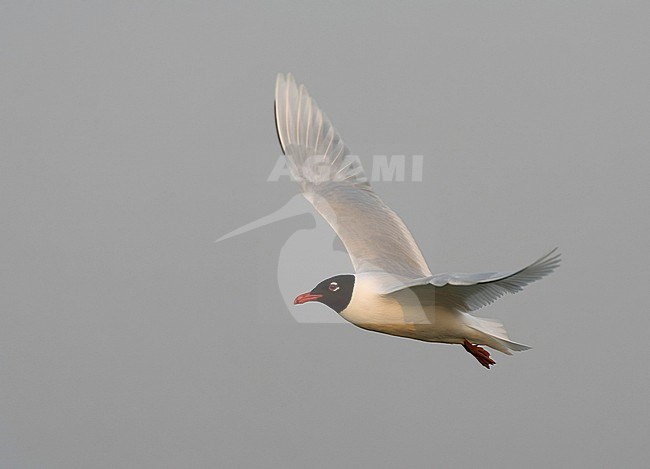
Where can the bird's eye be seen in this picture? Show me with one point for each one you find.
(333, 286)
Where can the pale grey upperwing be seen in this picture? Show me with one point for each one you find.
(469, 292)
(374, 236)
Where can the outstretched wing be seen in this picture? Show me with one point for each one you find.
(375, 237)
(468, 292)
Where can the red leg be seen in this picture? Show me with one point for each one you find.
(482, 355)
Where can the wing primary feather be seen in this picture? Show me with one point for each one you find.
(286, 109)
(277, 130)
(344, 168)
(309, 119)
(329, 144)
(298, 115)
(319, 118)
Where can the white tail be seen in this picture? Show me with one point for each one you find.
(496, 334)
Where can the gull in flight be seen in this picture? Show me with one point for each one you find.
(392, 290)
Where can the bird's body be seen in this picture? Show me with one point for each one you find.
(402, 314)
(392, 290)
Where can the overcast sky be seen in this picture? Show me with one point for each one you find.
(134, 134)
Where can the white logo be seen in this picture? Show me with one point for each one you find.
(384, 168)
(312, 254)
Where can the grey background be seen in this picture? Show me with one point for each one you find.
(133, 134)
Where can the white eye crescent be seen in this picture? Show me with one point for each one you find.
(334, 286)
